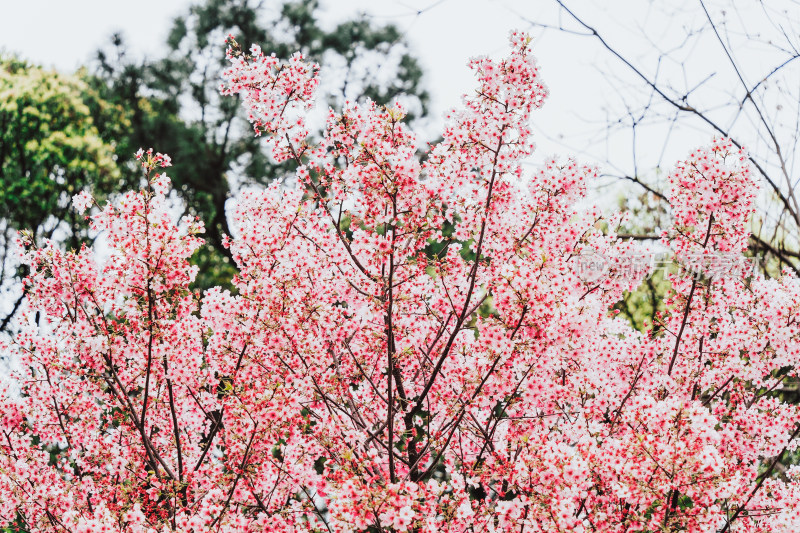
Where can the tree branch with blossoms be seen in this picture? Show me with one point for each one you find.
(411, 346)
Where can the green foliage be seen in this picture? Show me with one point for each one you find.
(642, 305)
(50, 148)
(18, 526)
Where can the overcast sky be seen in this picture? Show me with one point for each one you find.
(444, 34)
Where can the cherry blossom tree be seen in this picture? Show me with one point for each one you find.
(374, 372)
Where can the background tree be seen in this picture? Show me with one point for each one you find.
(50, 148)
(61, 134)
(175, 105)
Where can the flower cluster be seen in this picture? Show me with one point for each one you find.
(409, 347)
(275, 93)
(711, 194)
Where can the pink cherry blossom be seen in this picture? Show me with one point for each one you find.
(410, 345)
(82, 201)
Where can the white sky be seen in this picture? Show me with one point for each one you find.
(65, 34)
(444, 34)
